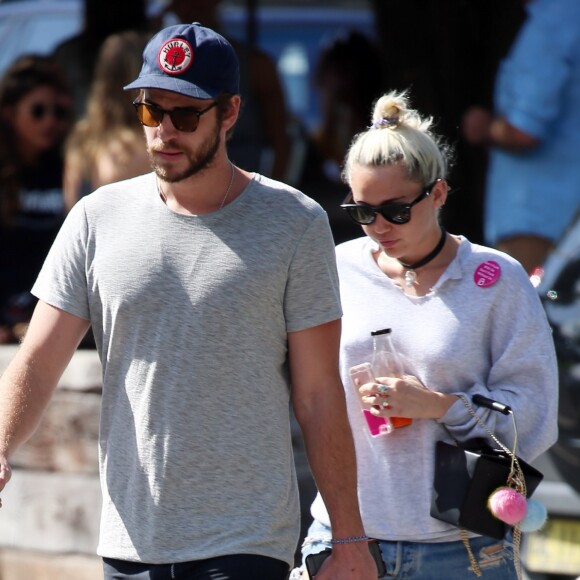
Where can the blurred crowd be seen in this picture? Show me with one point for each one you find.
(67, 127)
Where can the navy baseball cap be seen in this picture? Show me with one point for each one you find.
(191, 60)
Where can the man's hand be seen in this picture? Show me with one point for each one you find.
(349, 562)
(475, 125)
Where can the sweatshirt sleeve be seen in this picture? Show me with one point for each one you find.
(523, 374)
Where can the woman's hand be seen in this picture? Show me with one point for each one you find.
(405, 397)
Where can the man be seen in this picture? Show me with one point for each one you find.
(533, 181)
(210, 291)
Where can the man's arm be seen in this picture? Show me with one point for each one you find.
(32, 376)
(480, 127)
(320, 408)
(506, 136)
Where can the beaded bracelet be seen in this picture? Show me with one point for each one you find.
(351, 540)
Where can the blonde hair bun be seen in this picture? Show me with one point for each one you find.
(407, 140)
(393, 110)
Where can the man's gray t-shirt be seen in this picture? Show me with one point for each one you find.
(190, 316)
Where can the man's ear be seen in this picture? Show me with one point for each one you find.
(232, 112)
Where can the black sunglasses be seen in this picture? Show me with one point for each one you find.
(40, 110)
(394, 212)
(183, 118)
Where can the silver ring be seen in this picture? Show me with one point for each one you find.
(382, 389)
(385, 405)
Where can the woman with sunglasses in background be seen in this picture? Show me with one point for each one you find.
(34, 121)
(465, 320)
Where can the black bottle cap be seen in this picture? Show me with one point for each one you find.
(378, 332)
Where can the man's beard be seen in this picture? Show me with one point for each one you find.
(198, 161)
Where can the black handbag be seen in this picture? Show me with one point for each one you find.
(465, 476)
(467, 473)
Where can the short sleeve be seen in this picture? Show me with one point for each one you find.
(62, 281)
(312, 292)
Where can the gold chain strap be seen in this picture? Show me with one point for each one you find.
(517, 543)
(516, 475)
(516, 480)
(472, 559)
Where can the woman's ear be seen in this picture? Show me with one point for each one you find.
(439, 192)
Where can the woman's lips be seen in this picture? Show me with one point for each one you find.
(388, 243)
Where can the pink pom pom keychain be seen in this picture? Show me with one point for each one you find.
(508, 505)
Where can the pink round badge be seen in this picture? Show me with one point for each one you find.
(487, 274)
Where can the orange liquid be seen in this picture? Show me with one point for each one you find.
(400, 422)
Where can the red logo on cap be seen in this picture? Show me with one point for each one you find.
(175, 56)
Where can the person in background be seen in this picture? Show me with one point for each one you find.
(107, 144)
(465, 320)
(35, 107)
(349, 78)
(213, 298)
(78, 55)
(533, 180)
(451, 65)
(261, 139)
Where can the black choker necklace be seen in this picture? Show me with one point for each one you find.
(410, 274)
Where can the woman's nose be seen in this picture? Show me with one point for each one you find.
(381, 224)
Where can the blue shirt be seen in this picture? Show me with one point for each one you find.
(537, 192)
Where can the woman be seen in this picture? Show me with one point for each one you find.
(108, 144)
(34, 120)
(465, 320)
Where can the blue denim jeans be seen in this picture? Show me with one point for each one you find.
(432, 560)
